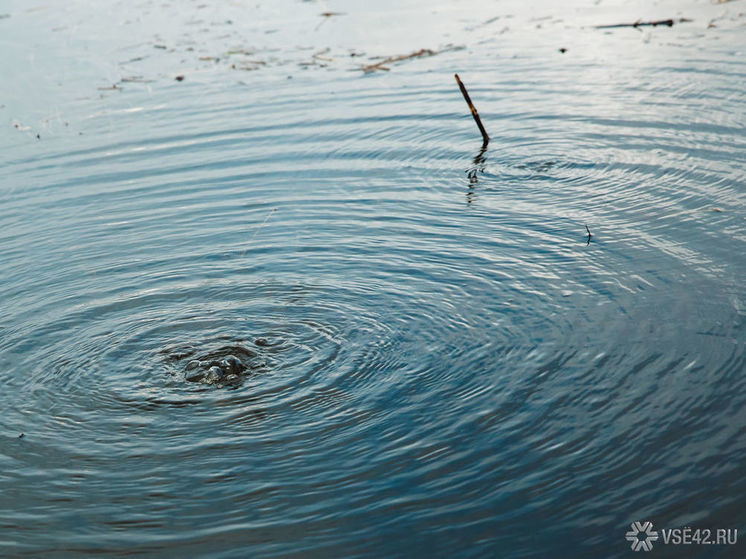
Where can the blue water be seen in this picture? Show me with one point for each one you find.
(436, 362)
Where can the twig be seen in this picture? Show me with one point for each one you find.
(638, 23)
(589, 235)
(263, 223)
(473, 110)
(258, 229)
(382, 64)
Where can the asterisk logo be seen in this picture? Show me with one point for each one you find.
(642, 535)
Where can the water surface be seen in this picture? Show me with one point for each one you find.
(436, 361)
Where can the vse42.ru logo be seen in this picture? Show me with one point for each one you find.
(703, 536)
(642, 536)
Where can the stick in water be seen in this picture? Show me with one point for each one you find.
(258, 229)
(473, 110)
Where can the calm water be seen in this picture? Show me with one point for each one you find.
(434, 362)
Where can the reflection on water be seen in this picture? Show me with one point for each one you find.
(248, 312)
(478, 166)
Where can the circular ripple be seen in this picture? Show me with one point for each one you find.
(406, 334)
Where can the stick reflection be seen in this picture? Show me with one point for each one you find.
(472, 173)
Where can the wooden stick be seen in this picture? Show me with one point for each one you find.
(638, 23)
(473, 110)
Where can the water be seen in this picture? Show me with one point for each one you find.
(434, 360)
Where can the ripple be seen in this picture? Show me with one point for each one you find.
(311, 316)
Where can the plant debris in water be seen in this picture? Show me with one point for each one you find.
(368, 68)
(639, 23)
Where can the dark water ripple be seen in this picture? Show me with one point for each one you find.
(438, 363)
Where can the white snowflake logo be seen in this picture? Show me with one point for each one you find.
(642, 535)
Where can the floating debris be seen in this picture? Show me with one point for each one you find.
(179, 78)
(245, 52)
(563, 50)
(248, 65)
(589, 235)
(368, 68)
(134, 79)
(639, 23)
(320, 55)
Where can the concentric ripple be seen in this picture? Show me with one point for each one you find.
(282, 308)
